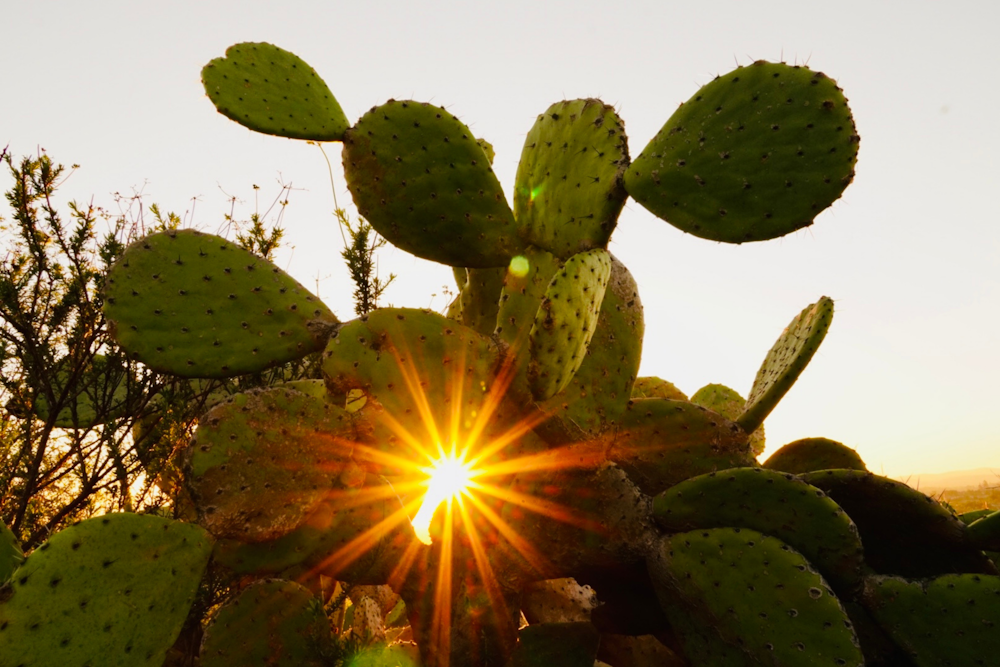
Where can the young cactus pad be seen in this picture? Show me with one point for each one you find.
(568, 191)
(755, 154)
(423, 182)
(270, 90)
(785, 361)
(111, 591)
(196, 305)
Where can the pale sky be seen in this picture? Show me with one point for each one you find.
(908, 374)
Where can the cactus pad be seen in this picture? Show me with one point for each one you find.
(728, 403)
(755, 154)
(776, 504)
(270, 622)
(480, 299)
(270, 90)
(785, 361)
(758, 593)
(11, 555)
(905, 532)
(196, 305)
(111, 591)
(950, 620)
(556, 645)
(565, 321)
(985, 532)
(262, 461)
(809, 454)
(418, 176)
(568, 191)
(654, 387)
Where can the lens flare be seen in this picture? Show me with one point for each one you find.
(448, 478)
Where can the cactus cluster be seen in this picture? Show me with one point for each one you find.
(611, 518)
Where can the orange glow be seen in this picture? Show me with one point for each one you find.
(448, 478)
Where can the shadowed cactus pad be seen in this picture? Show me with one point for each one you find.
(423, 182)
(11, 555)
(196, 305)
(270, 622)
(728, 403)
(757, 593)
(111, 591)
(270, 90)
(755, 154)
(809, 454)
(785, 361)
(568, 191)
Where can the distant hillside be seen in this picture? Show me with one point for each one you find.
(957, 480)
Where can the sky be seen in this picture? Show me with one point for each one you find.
(908, 374)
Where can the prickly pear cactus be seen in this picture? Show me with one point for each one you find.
(810, 454)
(11, 555)
(728, 403)
(112, 590)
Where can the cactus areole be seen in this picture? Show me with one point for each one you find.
(462, 461)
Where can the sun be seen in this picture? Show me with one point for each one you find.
(448, 477)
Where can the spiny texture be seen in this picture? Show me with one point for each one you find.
(262, 461)
(905, 532)
(728, 403)
(110, 591)
(785, 361)
(524, 287)
(568, 191)
(754, 155)
(270, 622)
(662, 442)
(418, 176)
(757, 593)
(809, 454)
(565, 321)
(776, 504)
(196, 305)
(270, 90)
(947, 621)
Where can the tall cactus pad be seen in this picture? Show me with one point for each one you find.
(262, 461)
(196, 305)
(270, 622)
(270, 90)
(810, 454)
(663, 442)
(785, 361)
(595, 399)
(950, 620)
(728, 403)
(568, 191)
(565, 321)
(111, 591)
(523, 289)
(480, 299)
(776, 504)
(905, 532)
(423, 182)
(11, 555)
(758, 593)
(755, 154)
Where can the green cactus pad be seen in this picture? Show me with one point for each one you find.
(418, 176)
(262, 461)
(593, 402)
(568, 191)
(985, 532)
(809, 454)
(11, 555)
(776, 504)
(974, 515)
(654, 387)
(525, 283)
(480, 299)
(111, 591)
(950, 620)
(270, 90)
(755, 154)
(785, 361)
(196, 305)
(905, 532)
(758, 593)
(565, 321)
(700, 643)
(728, 403)
(556, 645)
(93, 394)
(270, 622)
(663, 442)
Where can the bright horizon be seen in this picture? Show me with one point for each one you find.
(910, 254)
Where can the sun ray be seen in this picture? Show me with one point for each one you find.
(520, 544)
